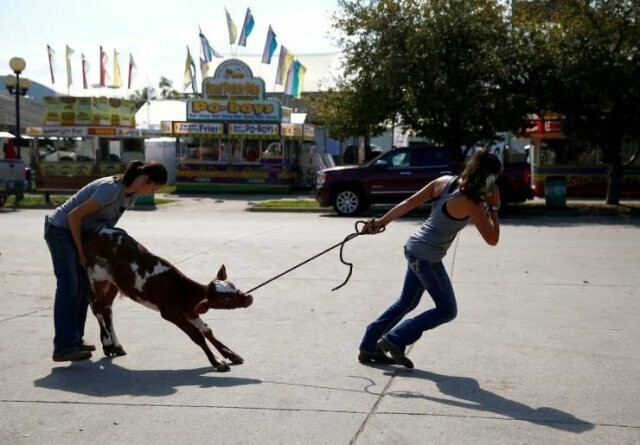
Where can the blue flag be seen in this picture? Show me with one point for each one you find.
(247, 27)
(270, 46)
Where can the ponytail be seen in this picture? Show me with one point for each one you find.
(155, 171)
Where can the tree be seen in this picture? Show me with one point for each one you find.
(585, 65)
(148, 93)
(438, 67)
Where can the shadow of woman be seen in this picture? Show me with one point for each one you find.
(471, 396)
(106, 379)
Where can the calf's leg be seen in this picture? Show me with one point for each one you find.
(183, 323)
(102, 296)
(208, 333)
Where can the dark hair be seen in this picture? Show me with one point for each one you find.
(481, 165)
(156, 172)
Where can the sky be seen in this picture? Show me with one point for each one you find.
(155, 32)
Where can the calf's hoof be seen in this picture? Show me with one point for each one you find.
(236, 360)
(113, 351)
(222, 367)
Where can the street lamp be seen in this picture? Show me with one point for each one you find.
(19, 87)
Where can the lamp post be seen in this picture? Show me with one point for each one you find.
(19, 87)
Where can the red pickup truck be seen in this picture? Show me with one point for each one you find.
(397, 174)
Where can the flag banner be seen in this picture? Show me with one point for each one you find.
(85, 71)
(270, 46)
(247, 27)
(132, 66)
(104, 76)
(300, 75)
(295, 79)
(207, 50)
(69, 52)
(116, 70)
(204, 68)
(51, 54)
(189, 72)
(284, 62)
(233, 30)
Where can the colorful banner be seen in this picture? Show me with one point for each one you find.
(264, 130)
(233, 110)
(195, 128)
(291, 131)
(69, 132)
(93, 111)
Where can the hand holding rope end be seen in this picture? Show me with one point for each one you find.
(372, 227)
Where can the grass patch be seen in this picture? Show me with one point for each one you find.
(35, 201)
(167, 189)
(287, 204)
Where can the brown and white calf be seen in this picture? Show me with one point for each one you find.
(117, 262)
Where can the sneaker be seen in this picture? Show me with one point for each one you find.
(87, 347)
(72, 356)
(375, 357)
(395, 352)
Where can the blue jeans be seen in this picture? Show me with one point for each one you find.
(72, 290)
(421, 275)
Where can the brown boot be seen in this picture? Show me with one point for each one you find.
(72, 356)
(395, 352)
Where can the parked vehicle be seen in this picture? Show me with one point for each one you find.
(350, 155)
(13, 179)
(397, 174)
(51, 154)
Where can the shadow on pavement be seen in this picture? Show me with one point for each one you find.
(106, 379)
(471, 396)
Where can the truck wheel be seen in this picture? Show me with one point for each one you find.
(349, 202)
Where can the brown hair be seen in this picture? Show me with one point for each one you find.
(472, 179)
(155, 171)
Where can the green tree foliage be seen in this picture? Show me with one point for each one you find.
(166, 92)
(439, 67)
(584, 63)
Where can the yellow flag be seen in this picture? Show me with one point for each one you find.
(116, 70)
(233, 30)
(68, 57)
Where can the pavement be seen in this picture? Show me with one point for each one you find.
(544, 349)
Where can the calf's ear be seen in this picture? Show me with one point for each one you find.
(222, 273)
(201, 307)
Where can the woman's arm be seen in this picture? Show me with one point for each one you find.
(427, 193)
(486, 219)
(74, 219)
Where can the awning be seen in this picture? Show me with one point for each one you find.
(4, 134)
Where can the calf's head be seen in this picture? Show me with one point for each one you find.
(221, 294)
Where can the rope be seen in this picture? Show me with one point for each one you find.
(358, 231)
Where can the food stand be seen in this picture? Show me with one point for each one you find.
(580, 170)
(235, 139)
(84, 138)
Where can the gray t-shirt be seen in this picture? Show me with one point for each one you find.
(433, 238)
(110, 195)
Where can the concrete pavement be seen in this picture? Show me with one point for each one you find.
(544, 349)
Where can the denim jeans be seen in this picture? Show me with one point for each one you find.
(72, 291)
(421, 275)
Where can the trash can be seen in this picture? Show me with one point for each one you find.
(145, 200)
(555, 191)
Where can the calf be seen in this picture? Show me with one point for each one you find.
(117, 262)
